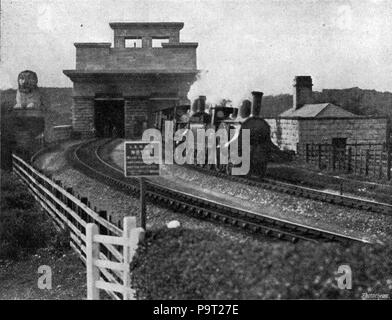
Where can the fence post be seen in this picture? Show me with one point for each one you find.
(333, 157)
(355, 157)
(142, 203)
(102, 229)
(319, 156)
(92, 255)
(367, 162)
(307, 153)
(85, 216)
(129, 225)
(349, 155)
(389, 160)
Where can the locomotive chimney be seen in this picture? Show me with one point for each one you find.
(302, 91)
(256, 105)
(202, 103)
(198, 105)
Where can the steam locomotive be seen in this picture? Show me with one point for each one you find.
(232, 120)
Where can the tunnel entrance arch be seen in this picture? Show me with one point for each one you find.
(109, 116)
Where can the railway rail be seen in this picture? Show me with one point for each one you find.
(86, 157)
(305, 192)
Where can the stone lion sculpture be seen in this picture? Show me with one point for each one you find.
(28, 95)
(27, 119)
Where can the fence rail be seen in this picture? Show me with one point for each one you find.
(370, 160)
(96, 262)
(113, 245)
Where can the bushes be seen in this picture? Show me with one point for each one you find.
(189, 264)
(23, 226)
(23, 231)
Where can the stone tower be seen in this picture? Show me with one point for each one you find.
(120, 87)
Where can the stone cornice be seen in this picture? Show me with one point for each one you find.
(126, 74)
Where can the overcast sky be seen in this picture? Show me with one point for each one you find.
(243, 45)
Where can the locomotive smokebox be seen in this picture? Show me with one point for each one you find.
(256, 105)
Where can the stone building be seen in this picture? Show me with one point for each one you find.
(117, 90)
(327, 124)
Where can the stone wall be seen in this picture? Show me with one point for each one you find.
(357, 130)
(146, 32)
(284, 133)
(137, 85)
(287, 133)
(137, 92)
(137, 115)
(83, 115)
(172, 57)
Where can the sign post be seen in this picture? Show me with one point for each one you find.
(136, 166)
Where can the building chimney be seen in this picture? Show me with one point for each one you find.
(256, 105)
(302, 91)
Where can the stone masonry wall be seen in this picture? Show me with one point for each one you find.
(356, 130)
(284, 133)
(175, 58)
(287, 133)
(83, 115)
(136, 113)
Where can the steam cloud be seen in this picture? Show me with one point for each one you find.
(220, 85)
(230, 71)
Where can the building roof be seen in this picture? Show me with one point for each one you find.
(122, 25)
(318, 110)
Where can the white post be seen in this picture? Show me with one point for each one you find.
(92, 254)
(129, 223)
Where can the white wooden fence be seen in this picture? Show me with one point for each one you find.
(97, 261)
(71, 213)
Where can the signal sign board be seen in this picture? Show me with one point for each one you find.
(135, 165)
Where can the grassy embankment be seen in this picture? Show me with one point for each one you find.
(28, 239)
(189, 264)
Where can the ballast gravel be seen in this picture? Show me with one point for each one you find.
(119, 204)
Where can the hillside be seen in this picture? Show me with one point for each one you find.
(59, 101)
(355, 100)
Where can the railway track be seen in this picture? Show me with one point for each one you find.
(86, 157)
(305, 192)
